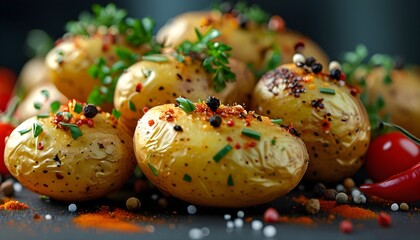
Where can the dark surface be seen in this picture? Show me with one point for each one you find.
(174, 222)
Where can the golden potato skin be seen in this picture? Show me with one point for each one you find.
(336, 133)
(93, 165)
(181, 163)
(162, 82)
(33, 74)
(26, 108)
(251, 45)
(402, 96)
(69, 61)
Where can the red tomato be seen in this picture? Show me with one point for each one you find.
(7, 80)
(5, 130)
(390, 154)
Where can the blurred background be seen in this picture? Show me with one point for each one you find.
(384, 26)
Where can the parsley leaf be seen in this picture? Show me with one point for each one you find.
(215, 56)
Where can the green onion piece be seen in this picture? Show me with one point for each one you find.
(75, 132)
(387, 79)
(283, 148)
(402, 130)
(230, 180)
(116, 113)
(55, 106)
(132, 106)
(327, 91)
(154, 170)
(155, 58)
(273, 141)
(185, 104)
(187, 178)
(277, 121)
(37, 129)
(37, 105)
(45, 93)
(68, 124)
(251, 133)
(44, 115)
(24, 131)
(78, 108)
(222, 153)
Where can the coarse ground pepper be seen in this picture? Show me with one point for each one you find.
(345, 211)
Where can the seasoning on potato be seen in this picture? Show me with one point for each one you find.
(247, 160)
(257, 39)
(333, 123)
(193, 72)
(70, 157)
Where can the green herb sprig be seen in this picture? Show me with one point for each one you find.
(109, 75)
(215, 56)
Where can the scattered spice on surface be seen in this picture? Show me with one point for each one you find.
(341, 198)
(312, 206)
(13, 205)
(133, 204)
(349, 184)
(296, 220)
(271, 215)
(105, 221)
(346, 226)
(319, 190)
(404, 207)
(384, 219)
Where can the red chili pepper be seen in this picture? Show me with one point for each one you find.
(401, 187)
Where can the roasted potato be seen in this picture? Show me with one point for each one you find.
(71, 156)
(252, 44)
(401, 96)
(148, 83)
(224, 158)
(68, 62)
(33, 74)
(332, 122)
(38, 101)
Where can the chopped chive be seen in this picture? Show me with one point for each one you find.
(277, 121)
(155, 58)
(251, 133)
(24, 131)
(55, 106)
(78, 108)
(222, 153)
(37, 129)
(273, 141)
(75, 132)
(185, 104)
(187, 178)
(68, 124)
(402, 130)
(37, 105)
(116, 113)
(132, 106)
(283, 148)
(230, 180)
(44, 115)
(154, 170)
(327, 91)
(387, 79)
(45, 93)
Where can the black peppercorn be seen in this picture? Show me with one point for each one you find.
(316, 67)
(243, 20)
(178, 128)
(90, 111)
(309, 61)
(213, 103)
(335, 74)
(319, 190)
(215, 120)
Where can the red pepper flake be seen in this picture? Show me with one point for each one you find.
(145, 109)
(247, 123)
(237, 146)
(229, 139)
(326, 125)
(151, 122)
(79, 122)
(299, 46)
(343, 76)
(346, 226)
(230, 123)
(57, 119)
(168, 115)
(251, 144)
(90, 123)
(384, 219)
(271, 215)
(40, 146)
(353, 91)
(139, 87)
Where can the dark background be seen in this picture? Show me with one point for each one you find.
(384, 26)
